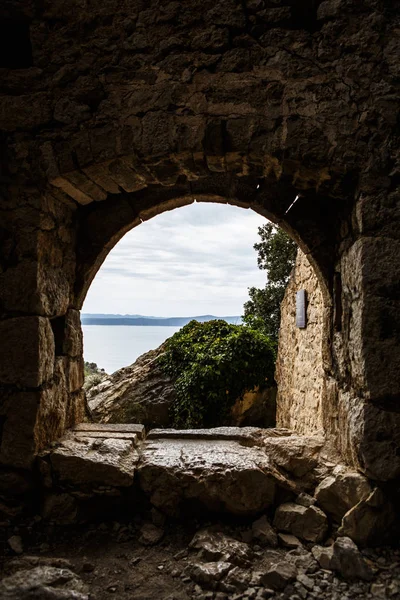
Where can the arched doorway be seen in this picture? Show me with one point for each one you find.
(242, 106)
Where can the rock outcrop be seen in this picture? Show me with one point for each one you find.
(144, 393)
(140, 393)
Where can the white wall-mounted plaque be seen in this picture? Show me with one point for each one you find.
(301, 309)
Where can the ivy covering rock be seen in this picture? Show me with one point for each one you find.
(213, 364)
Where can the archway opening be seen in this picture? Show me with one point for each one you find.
(195, 263)
(219, 290)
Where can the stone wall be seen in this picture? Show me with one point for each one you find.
(128, 109)
(41, 363)
(299, 368)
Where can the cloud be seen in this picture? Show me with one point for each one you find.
(193, 260)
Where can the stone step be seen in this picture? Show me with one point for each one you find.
(90, 461)
(242, 471)
(222, 474)
(115, 435)
(251, 436)
(108, 428)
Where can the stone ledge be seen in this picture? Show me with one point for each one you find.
(108, 428)
(247, 435)
(113, 435)
(221, 474)
(88, 460)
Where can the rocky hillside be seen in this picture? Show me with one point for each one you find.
(139, 393)
(93, 375)
(143, 393)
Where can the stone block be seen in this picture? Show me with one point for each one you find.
(298, 455)
(88, 461)
(110, 428)
(73, 338)
(30, 288)
(370, 285)
(26, 351)
(248, 435)
(125, 177)
(32, 420)
(77, 408)
(98, 174)
(52, 415)
(72, 190)
(223, 475)
(339, 492)
(24, 112)
(18, 411)
(76, 375)
(115, 435)
(307, 523)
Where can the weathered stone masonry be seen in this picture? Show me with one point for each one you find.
(300, 373)
(121, 110)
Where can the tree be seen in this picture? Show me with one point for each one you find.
(212, 365)
(277, 255)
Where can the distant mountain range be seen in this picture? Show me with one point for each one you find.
(103, 319)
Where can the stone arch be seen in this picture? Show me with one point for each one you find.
(128, 107)
(102, 225)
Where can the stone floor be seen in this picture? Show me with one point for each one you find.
(100, 472)
(216, 514)
(241, 471)
(148, 559)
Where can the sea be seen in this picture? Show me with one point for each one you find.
(114, 346)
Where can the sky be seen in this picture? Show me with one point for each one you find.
(191, 261)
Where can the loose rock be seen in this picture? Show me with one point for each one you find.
(15, 543)
(289, 541)
(279, 575)
(43, 583)
(344, 557)
(208, 574)
(264, 533)
(349, 561)
(338, 493)
(239, 578)
(150, 534)
(307, 523)
(215, 546)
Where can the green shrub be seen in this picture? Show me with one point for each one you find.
(213, 364)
